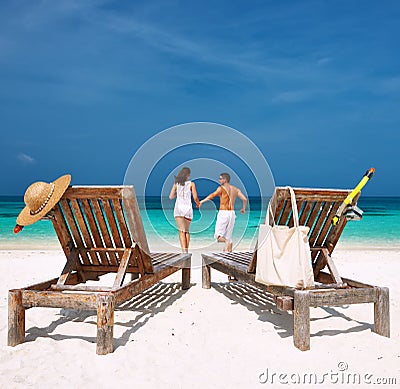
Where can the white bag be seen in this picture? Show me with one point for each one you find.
(283, 254)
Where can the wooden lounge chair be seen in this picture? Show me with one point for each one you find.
(100, 231)
(316, 209)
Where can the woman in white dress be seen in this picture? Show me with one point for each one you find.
(183, 190)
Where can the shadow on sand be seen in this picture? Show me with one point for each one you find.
(146, 305)
(262, 304)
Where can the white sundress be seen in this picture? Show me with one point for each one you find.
(183, 203)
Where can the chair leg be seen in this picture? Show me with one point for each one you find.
(16, 318)
(105, 324)
(382, 313)
(206, 275)
(301, 318)
(186, 274)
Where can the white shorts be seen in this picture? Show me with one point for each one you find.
(183, 211)
(224, 225)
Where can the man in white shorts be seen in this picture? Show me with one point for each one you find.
(226, 214)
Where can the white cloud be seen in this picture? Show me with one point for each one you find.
(292, 96)
(25, 158)
(324, 61)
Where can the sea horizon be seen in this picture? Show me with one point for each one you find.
(379, 227)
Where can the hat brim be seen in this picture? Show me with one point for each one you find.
(60, 186)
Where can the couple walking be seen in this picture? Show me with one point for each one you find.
(183, 189)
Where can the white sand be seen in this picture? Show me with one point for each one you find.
(222, 337)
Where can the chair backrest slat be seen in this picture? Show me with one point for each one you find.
(277, 208)
(112, 256)
(325, 228)
(308, 206)
(62, 231)
(88, 210)
(320, 222)
(299, 207)
(285, 214)
(74, 229)
(85, 234)
(125, 235)
(109, 215)
(135, 223)
(312, 218)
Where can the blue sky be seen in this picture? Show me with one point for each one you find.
(315, 84)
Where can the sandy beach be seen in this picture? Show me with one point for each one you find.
(228, 336)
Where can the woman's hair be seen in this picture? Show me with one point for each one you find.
(182, 176)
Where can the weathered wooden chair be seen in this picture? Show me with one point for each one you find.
(100, 231)
(316, 209)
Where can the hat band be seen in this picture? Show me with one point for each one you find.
(45, 201)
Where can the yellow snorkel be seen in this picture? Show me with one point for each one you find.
(348, 200)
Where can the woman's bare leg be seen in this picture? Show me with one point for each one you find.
(187, 238)
(182, 240)
(187, 234)
(180, 223)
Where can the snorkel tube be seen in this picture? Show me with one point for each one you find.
(347, 201)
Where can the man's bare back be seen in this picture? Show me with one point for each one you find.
(227, 194)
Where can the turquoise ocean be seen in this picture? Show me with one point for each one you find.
(379, 227)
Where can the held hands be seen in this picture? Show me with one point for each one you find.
(198, 205)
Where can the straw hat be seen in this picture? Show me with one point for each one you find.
(40, 198)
